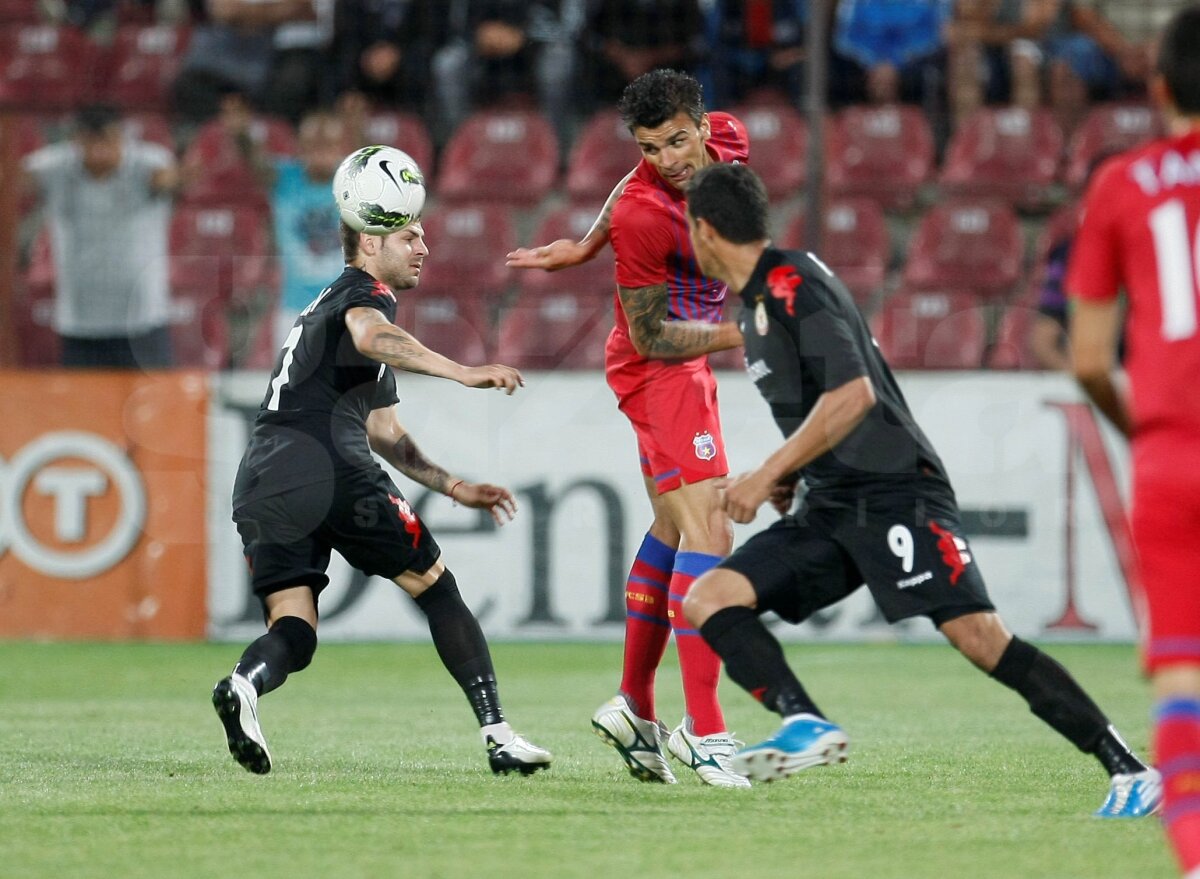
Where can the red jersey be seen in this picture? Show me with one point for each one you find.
(649, 235)
(1141, 233)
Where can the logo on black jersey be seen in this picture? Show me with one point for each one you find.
(782, 282)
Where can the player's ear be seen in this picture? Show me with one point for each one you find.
(705, 127)
(1160, 92)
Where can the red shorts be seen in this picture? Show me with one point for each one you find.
(1166, 532)
(672, 405)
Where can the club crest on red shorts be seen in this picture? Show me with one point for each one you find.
(706, 446)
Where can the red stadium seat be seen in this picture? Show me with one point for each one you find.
(604, 152)
(966, 245)
(20, 12)
(217, 171)
(33, 307)
(509, 156)
(886, 153)
(1011, 349)
(405, 131)
(456, 323)
(556, 328)
(1007, 153)
(570, 222)
(45, 68)
(467, 245)
(199, 329)
(778, 146)
(936, 330)
(855, 244)
(141, 65)
(1108, 129)
(225, 249)
(150, 127)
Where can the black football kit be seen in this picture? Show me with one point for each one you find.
(878, 507)
(308, 482)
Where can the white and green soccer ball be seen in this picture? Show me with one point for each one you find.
(379, 190)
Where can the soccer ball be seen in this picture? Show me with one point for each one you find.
(379, 190)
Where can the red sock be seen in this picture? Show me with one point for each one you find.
(1177, 750)
(698, 664)
(646, 625)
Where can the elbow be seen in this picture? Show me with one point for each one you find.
(864, 398)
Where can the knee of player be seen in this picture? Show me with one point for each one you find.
(714, 591)
(980, 637)
(301, 639)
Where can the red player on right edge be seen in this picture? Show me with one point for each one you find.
(668, 318)
(1141, 233)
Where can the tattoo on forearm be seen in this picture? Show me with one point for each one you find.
(411, 461)
(401, 351)
(646, 310)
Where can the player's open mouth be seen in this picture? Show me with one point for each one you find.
(679, 176)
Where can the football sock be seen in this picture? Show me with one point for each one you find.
(461, 646)
(699, 666)
(755, 662)
(1177, 751)
(646, 625)
(287, 646)
(1055, 697)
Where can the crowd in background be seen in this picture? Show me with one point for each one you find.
(314, 71)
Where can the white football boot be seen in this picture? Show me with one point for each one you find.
(709, 755)
(638, 741)
(236, 703)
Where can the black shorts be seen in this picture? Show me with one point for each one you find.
(288, 537)
(907, 547)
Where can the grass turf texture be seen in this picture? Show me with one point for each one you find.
(114, 765)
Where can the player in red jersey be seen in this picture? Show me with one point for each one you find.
(1141, 233)
(668, 319)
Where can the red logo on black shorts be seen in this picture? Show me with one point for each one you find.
(411, 524)
(953, 550)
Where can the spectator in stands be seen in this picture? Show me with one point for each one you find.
(758, 50)
(625, 38)
(108, 203)
(304, 215)
(274, 52)
(498, 50)
(1018, 43)
(897, 48)
(384, 50)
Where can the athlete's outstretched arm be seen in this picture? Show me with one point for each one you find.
(655, 336)
(564, 252)
(389, 439)
(1093, 344)
(833, 416)
(376, 337)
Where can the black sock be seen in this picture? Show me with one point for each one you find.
(461, 645)
(287, 647)
(1055, 697)
(755, 661)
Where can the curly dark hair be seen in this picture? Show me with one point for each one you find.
(654, 97)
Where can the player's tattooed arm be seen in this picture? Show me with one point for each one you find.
(376, 337)
(655, 336)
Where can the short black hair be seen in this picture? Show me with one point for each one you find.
(96, 118)
(731, 199)
(1179, 59)
(654, 97)
(349, 242)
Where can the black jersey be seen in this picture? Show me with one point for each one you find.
(805, 336)
(311, 426)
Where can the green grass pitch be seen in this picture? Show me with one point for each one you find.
(112, 764)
